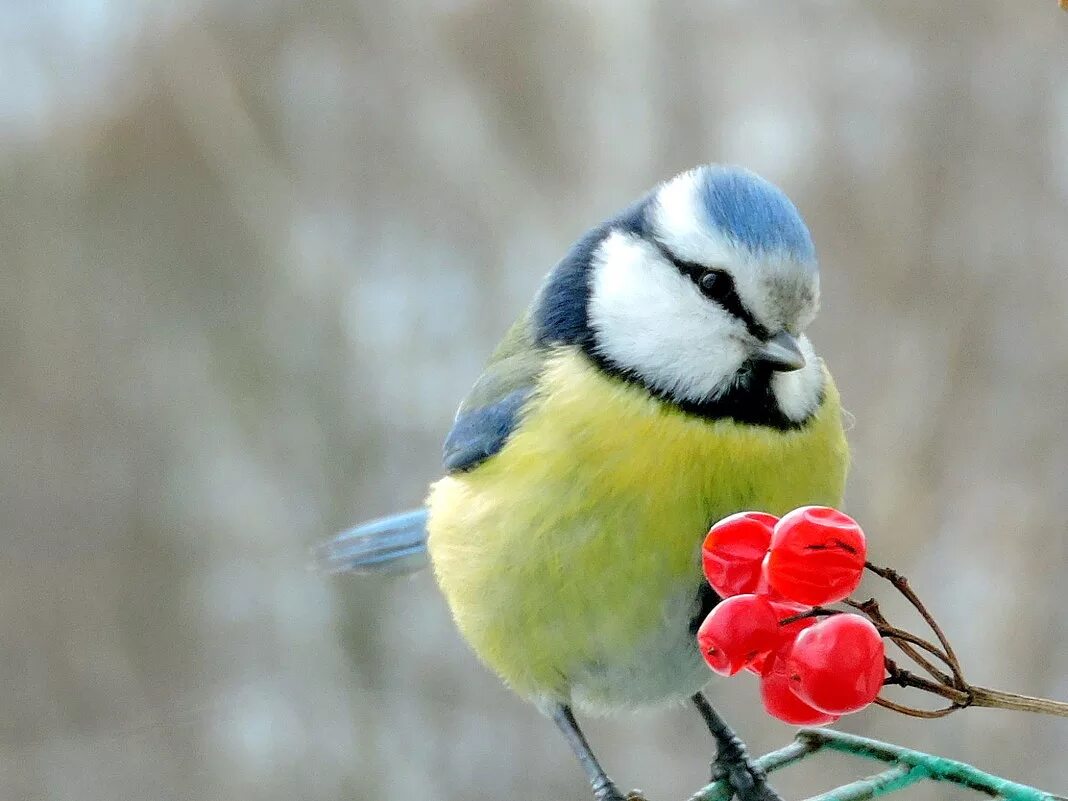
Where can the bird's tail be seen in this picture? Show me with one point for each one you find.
(394, 544)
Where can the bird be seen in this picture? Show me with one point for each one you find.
(660, 380)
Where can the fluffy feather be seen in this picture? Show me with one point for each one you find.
(571, 559)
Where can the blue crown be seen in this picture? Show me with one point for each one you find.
(753, 212)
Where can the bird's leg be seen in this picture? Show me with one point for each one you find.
(603, 787)
(732, 763)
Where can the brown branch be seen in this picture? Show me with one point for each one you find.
(997, 699)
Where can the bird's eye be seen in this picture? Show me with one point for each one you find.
(714, 284)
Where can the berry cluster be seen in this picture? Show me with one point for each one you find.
(771, 573)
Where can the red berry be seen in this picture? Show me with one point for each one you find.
(781, 702)
(736, 632)
(817, 555)
(760, 661)
(838, 664)
(784, 610)
(764, 585)
(733, 551)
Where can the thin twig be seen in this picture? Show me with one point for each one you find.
(902, 585)
(912, 711)
(900, 677)
(816, 611)
(901, 636)
(872, 610)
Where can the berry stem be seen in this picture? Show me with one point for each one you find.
(904, 678)
(816, 611)
(903, 639)
(913, 712)
(900, 637)
(961, 698)
(901, 584)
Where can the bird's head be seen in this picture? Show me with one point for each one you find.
(701, 292)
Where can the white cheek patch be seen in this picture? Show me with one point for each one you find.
(650, 319)
(798, 392)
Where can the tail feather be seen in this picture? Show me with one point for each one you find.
(394, 544)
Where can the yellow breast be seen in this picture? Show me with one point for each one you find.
(578, 544)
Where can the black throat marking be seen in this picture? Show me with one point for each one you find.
(749, 399)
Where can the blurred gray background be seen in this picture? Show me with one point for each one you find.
(254, 253)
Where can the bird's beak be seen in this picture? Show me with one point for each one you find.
(781, 352)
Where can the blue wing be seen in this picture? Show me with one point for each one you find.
(493, 408)
(479, 434)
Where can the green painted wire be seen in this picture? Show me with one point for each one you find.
(908, 767)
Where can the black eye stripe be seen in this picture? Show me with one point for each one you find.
(727, 297)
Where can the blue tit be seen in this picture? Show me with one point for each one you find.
(660, 380)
